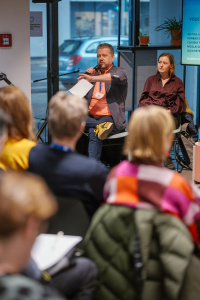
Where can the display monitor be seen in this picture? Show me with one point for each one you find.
(191, 33)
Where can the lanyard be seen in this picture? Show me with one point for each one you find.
(100, 86)
(61, 147)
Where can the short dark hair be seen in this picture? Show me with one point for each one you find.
(106, 45)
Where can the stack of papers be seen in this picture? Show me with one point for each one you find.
(49, 249)
(81, 88)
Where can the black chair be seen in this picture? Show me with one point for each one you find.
(71, 217)
(111, 151)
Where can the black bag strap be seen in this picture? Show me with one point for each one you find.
(137, 259)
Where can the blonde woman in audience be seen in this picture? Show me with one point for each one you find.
(25, 204)
(20, 132)
(144, 238)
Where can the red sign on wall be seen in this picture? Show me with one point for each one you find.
(5, 40)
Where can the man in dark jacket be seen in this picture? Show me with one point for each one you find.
(106, 99)
(67, 172)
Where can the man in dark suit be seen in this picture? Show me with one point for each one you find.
(67, 172)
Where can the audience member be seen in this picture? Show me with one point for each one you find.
(22, 214)
(106, 99)
(66, 172)
(150, 223)
(5, 121)
(166, 90)
(20, 134)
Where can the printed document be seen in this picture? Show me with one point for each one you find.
(81, 88)
(48, 249)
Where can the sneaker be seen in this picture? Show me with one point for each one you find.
(103, 130)
(169, 164)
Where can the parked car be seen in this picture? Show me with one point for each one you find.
(80, 54)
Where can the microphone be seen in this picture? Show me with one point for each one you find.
(4, 77)
(97, 67)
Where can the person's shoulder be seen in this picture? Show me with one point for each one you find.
(40, 147)
(21, 287)
(19, 144)
(28, 142)
(179, 183)
(153, 77)
(117, 69)
(37, 153)
(177, 79)
(124, 168)
(90, 164)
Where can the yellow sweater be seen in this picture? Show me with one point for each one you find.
(15, 154)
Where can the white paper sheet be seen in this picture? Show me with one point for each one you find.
(48, 249)
(81, 88)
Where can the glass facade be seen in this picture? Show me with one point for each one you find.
(83, 25)
(39, 71)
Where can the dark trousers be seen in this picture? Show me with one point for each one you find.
(95, 144)
(78, 281)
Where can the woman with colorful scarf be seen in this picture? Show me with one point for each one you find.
(144, 238)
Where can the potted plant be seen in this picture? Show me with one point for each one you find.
(143, 39)
(174, 27)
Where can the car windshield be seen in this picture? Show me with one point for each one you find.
(69, 46)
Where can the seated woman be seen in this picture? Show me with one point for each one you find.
(151, 218)
(22, 214)
(20, 133)
(166, 90)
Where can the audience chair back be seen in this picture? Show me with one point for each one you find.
(112, 149)
(71, 217)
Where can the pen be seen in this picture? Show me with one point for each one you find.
(59, 235)
(100, 86)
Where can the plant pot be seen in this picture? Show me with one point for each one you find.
(176, 37)
(143, 40)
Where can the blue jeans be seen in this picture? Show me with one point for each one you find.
(95, 144)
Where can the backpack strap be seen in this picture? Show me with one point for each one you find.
(137, 259)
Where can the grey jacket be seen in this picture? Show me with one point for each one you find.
(116, 93)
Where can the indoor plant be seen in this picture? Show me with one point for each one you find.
(143, 39)
(174, 27)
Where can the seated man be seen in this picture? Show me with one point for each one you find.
(66, 172)
(106, 99)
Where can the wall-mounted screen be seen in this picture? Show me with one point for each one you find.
(191, 32)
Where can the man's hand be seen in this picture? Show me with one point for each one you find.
(86, 77)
